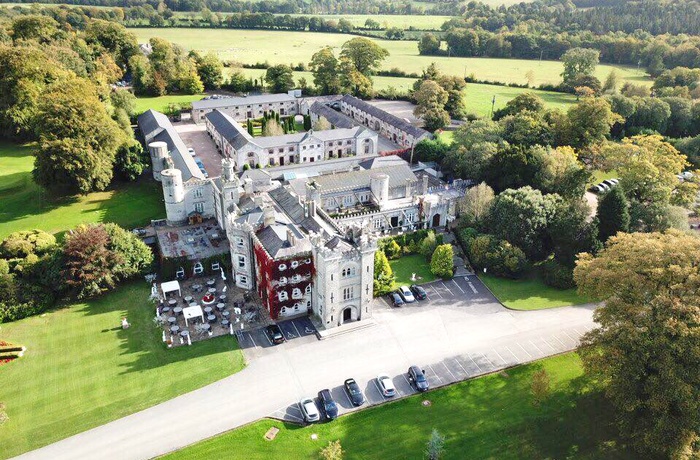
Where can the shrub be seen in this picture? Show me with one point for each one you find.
(393, 250)
(428, 245)
(14, 311)
(506, 260)
(23, 243)
(441, 263)
(556, 275)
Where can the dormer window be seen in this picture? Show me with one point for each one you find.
(282, 267)
(295, 264)
(283, 280)
(296, 278)
(282, 296)
(296, 293)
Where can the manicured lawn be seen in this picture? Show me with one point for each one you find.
(250, 46)
(160, 103)
(407, 265)
(82, 370)
(24, 205)
(599, 176)
(486, 418)
(531, 293)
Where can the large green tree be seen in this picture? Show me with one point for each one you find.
(325, 69)
(430, 105)
(647, 346)
(279, 78)
(579, 61)
(210, 70)
(441, 263)
(364, 54)
(588, 122)
(383, 274)
(613, 214)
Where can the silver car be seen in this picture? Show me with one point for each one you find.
(386, 386)
(309, 410)
(406, 294)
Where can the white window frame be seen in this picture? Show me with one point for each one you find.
(282, 296)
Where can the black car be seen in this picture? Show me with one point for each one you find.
(418, 292)
(275, 334)
(354, 392)
(417, 378)
(396, 299)
(330, 408)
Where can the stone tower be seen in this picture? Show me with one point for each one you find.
(379, 184)
(174, 194)
(159, 152)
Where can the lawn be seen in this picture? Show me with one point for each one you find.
(491, 417)
(81, 369)
(530, 293)
(406, 266)
(24, 205)
(250, 46)
(160, 103)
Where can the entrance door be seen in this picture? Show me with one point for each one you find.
(347, 315)
(395, 221)
(436, 220)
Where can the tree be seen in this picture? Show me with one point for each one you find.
(613, 214)
(650, 114)
(611, 83)
(325, 69)
(78, 139)
(131, 161)
(588, 122)
(364, 55)
(539, 386)
(529, 230)
(579, 61)
(476, 203)
(430, 105)
(562, 173)
(441, 263)
(333, 451)
(190, 83)
(43, 29)
(23, 243)
(89, 263)
(454, 86)
(113, 37)
(279, 78)
(428, 44)
(526, 129)
(436, 446)
(272, 128)
(427, 245)
(571, 232)
(355, 82)
(392, 249)
(321, 124)
(132, 254)
(372, 24)
(647, 348)
(124, 100)
(523, 102)
(383, 274)
(513, 167)
(210, 70)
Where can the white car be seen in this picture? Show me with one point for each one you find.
(192, 152)
(406, 294)
(309, 410)
(386, 385)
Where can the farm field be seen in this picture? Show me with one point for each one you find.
(24, 205)
(81, 369)
(478, 96)
(251, 46)
(490, 417)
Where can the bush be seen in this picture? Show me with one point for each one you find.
(428, 245)
(557, 275)
(23, 243)
(441, 263)
(13, 312)
(506, 260)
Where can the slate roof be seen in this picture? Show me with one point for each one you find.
(355, 180)
(274, 240)
(155, 126)
(233, 132)
(246, 100)
(381, 162)
(334, 117)
(393, 120)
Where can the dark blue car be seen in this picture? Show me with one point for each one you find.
(330, 408)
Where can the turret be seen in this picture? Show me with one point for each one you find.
(227, 170)
(159, 152)
(174, 194)
(379, 184)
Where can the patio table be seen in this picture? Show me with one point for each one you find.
(165, 309)
(206, 327)
(211, 290)
(207, 310)
(172, 320)
(193, 304)
(188, 299)
(177, 310)
(225, 313)
(184, 333)
(220, 306)
(174, 329)
(172, 302)
(222, 298)
(196, 287)
(211, 318)
(211, 282)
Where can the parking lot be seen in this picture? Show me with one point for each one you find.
(196, 137)
(296, 331)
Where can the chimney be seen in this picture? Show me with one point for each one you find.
(409, 190)
(258, 201)
(268, 216)
(310, 209)
(424, 188)
(248, 186)
(291, 238)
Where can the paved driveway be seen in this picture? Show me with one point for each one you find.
(458, 334)
(196, 136)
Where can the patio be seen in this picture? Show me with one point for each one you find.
(201, 308)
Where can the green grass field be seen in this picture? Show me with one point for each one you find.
(161, 103)
(478, 96)
(81, 369)
(491, 417)
(406, 266)
(250, 46)
(531, 293)
(24, 205)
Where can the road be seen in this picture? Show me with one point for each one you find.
(459, 333)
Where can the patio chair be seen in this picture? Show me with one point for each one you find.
(180, 273)
(198, 268)
(215, 267)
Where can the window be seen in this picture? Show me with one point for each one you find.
(239, 242)
(282, 296)
(347, 200)
(348, 142)
(348, 272)
(295, 264)
(348, 293)
(283, 280)
(250, 154)
(270, 150)
(243, 280)
(282, 267)
(291, 149)
(241, 261)
(308, 289)
(296, 293)
(308, 261)
(199, 207)
(281, 150)
(296, 278)
(377, 224)
(198, 192)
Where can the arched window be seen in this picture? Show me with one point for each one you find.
(296, 278)
(282, 267)
(296, 293)
(295, 264)
(308, 289)
(282, 296)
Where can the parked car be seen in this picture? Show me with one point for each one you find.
(396, 299)
(354, 392)
(330, 408)
(309, 410)
(596, 189)
(199, 162)
(406, 294)
(418, 292)
(417, 378)
(610, 182)
(386, 385)
(275, 334)
(192, 152)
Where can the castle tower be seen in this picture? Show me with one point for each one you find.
(227, 172)
(379, 184)
(159, 152)
(174, 194)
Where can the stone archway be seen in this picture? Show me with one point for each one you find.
(436, 220)
(348, 315)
